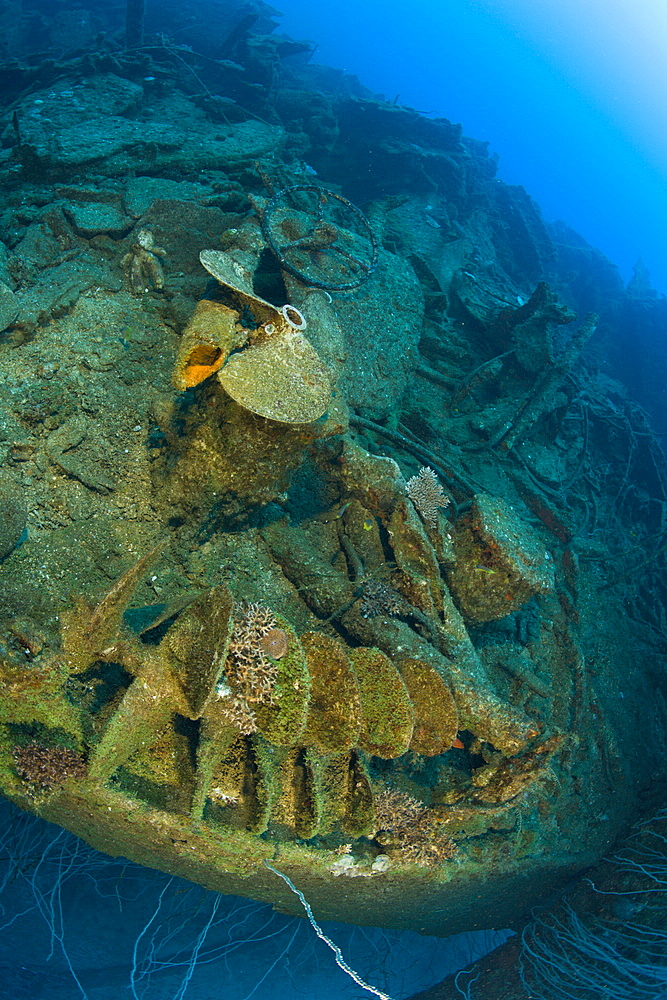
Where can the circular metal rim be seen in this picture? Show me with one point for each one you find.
(295, 272)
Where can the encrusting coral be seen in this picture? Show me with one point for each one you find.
(250, 671)
(436, 719)
(427, 495)
(47, 767)
(409, 830)
(386, 710)
(334, 712)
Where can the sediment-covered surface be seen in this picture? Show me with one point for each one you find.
(325, 540)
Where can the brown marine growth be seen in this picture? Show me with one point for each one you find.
(411, 831)
(178, 676)
(500, 562)
(436, 719)
(282, 720)
(45, 767)
(334, 710)
(197, 645)
(344, 794)
(387, 714)
(98, 633)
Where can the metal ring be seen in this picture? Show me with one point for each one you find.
(323, 196)
(300, 323)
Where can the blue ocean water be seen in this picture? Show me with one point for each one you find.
(569, 95)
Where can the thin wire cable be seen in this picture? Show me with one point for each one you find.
(340, 961)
